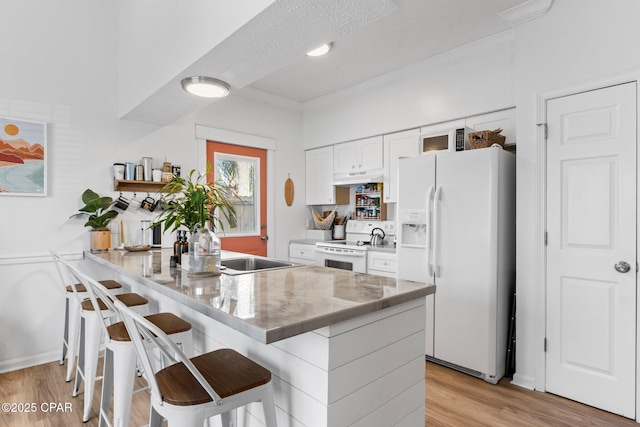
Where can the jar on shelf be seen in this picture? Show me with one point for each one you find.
(204, 252)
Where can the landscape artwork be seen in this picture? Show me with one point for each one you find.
(23, 149)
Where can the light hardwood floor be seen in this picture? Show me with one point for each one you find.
(453, 399)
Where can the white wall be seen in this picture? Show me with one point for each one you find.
(66, 75)
(475, 79)
(576, 42)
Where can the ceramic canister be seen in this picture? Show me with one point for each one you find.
(129, 171)
(146, 167)
(118, 171)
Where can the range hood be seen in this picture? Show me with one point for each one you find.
(361, 177)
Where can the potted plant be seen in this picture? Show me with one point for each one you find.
(197, 205)
(195, 201)
(97, 209)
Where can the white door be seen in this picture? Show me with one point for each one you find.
(465, 258)
(591, 225)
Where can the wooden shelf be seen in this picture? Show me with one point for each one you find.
(141, 186)
(369, 204)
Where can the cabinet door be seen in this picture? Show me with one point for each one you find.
(397, 146)
(319, 176)
(363, 154)
(371, 153)
(346, 157)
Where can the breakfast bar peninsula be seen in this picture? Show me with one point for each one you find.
(344, 348)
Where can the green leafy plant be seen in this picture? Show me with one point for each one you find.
(195, 201)
(97, 208)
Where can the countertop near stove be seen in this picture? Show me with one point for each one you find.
(270, 305)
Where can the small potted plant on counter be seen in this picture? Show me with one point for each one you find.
(97, 209)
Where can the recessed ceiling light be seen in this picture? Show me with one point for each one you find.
(206, 87)
(322, 50)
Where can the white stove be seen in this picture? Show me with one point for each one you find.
(351, 253)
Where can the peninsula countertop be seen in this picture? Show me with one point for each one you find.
(269, 305)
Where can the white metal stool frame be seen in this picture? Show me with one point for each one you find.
(71, 320)
(195, 414)
(121, 354)
(91, 336)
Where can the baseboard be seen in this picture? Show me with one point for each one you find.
(524, 382)
(27, 362)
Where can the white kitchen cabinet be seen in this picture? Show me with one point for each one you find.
(319, 189)
(397, 146)
(302, 253)
(505, 119)
(382, 263)
(358, 156)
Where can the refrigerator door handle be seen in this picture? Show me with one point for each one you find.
(436, 225)
(430, 193)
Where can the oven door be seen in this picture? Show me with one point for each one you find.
(342, 258)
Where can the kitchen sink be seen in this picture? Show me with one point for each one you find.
(252, 264)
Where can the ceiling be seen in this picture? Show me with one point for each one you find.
(371, 38)
(416, 30)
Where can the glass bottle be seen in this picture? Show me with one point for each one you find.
(204, 252)
(177, 245)
(184, 243)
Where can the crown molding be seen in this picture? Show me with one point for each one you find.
(526, 11)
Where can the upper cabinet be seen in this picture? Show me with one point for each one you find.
(397, 146)
(358, 156)
(319, 177)
(505, 120)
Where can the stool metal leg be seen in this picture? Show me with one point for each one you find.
(107, 387)
(80, 364)
(65, 335)
(92, 338)
(124, 359)
(73, 334)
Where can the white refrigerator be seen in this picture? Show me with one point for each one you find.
(456, 215)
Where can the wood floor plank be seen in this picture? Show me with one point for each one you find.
(453, 399)
(44, 389)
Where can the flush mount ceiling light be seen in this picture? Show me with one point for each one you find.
(207, 87)
(322, 50)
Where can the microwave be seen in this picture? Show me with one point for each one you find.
(451, 139)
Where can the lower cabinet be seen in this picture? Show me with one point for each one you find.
(302, 253)
(382, 263)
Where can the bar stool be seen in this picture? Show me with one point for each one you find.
(192, 390)
(91, 333)
(72, 315)
(120, 356)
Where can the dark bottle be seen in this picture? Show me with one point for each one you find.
(185, 244)
(177, 246)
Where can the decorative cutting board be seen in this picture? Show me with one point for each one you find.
(288, 191)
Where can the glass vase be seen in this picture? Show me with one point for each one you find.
(204, 252)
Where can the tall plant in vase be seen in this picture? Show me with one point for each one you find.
(200, 206)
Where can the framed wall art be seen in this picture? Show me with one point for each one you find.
(23, 157)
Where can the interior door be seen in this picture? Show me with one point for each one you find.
(243, 170)
(591, 249)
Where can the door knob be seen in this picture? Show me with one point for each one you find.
(622, 267)
(264, 237)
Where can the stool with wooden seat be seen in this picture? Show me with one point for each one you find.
(120, 356)
(72, 316)
(91, 334)
(192, 390)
